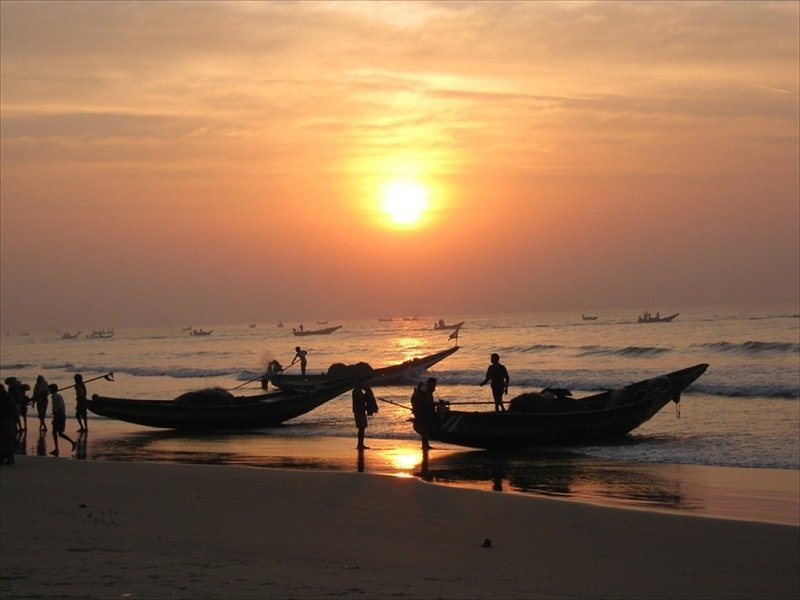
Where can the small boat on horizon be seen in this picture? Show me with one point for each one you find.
(100, 334)
(588, 318)
(647, 317)
(70, 336)
(553, 417)
(440, 324)
(326, 331)
(201, 332)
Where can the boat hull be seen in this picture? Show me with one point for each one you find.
(604, 416)
(406, 372)
(445, 326)
(326, 331)
(242, 412)
(651, 319)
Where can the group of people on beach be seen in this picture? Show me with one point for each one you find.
(15, 401)
(423, 403)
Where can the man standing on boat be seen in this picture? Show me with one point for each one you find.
(300, 354)
(498, 375)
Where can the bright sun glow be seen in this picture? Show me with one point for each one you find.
(405, 202)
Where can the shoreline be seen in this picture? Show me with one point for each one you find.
(748, 494)
(101, 529)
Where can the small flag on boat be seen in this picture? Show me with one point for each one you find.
(455, 333)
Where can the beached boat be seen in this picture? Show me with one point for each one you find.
(217, 409)
(555, 418)
(656, 318)
(442, 325)
(326, 331)
(406, 372)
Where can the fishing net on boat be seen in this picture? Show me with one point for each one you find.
(206, 397)
(546, 401)
(357, 370)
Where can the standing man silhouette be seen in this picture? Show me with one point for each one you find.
(81, 404)
(498, 375)
(300, 354)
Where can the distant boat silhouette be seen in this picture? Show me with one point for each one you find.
(442, 325)
(657, 318)
(326, 331)
(588, 318)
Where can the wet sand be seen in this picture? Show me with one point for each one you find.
(105, 529)
(767, 495)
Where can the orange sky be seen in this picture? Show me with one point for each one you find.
(178, 163)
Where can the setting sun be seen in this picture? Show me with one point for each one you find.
(404, 202)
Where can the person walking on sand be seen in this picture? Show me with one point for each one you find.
(81, 404)
(498, 375)
(59, 419)
(360, 412)
(300, 354)
(40, 392)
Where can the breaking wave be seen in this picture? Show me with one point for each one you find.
(751, 347)
(626, 351)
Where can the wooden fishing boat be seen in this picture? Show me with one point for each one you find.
(406, 372)
(217, 409)
(326, 331)
(555, 418)
(656, 318)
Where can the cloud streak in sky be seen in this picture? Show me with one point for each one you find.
(152, 128)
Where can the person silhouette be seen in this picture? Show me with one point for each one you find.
(59, 419)
(300, 354)
(360, 412)
(423, 407)
(498, 375)
(40, 392)
(81, 404)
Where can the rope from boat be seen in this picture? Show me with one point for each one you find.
(393, 402)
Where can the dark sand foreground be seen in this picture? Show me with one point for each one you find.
(96, 529)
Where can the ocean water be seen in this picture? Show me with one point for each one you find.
(744, 412)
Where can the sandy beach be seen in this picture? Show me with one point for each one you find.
(102, 529)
